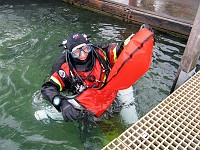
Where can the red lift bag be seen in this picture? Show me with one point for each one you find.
(132, 63)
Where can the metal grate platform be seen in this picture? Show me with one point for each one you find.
(173, 124)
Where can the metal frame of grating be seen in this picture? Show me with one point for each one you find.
(173, 124)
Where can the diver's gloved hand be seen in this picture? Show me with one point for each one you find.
(146, 26)
(69, 113)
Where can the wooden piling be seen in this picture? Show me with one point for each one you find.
(191, 54)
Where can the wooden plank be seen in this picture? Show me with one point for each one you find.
(137, 15)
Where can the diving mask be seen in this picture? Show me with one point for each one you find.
(76, 51)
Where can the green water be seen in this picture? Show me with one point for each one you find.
(29, 35)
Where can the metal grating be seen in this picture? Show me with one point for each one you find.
(173, 124)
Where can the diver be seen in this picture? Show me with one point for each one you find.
(80, 67)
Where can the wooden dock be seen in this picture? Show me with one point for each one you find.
(132, 14)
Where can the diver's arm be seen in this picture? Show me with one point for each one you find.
(49, 91)
(113, 51)
(58, 63)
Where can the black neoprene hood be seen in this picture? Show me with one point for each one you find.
(74, 40)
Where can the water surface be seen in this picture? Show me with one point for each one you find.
(29, 36)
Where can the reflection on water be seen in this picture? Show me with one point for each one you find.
(30, 33)
(183, 9)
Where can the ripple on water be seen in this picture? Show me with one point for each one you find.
(14, 28)
(8, 144)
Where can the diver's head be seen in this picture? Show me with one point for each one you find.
(78, 46)
(80, 50)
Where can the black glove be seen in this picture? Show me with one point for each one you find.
(69, 113)
(147, 26)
